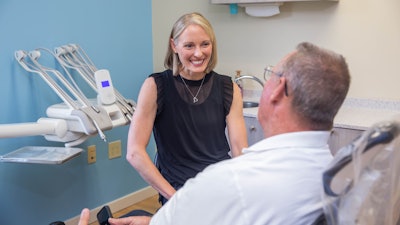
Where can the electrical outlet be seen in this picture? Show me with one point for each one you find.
(114, 149)
(91, 154)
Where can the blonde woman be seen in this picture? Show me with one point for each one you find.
(188, 108)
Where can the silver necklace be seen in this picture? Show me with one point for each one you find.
(195, 99)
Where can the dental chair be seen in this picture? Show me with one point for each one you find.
(362, 183)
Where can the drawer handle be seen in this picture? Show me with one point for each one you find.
(252, 128)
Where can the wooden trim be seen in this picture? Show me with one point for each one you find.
(118, 204)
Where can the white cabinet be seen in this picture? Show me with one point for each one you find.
(259, 8)
(262, 1)
(254, 130)
(341, 137)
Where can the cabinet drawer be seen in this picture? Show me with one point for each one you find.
(254, 130)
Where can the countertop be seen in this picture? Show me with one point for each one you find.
(363, 113)
(356, 113)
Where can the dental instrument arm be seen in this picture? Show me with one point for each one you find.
(83, 103)
(77, 118)
(74, 57)
(72, 121)
(42, 127)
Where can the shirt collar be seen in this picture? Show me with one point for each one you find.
(309, 139)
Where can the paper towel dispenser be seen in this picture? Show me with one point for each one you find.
(260, 8)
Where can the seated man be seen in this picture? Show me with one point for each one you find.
(277, 180)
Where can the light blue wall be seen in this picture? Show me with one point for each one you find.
(117, 36)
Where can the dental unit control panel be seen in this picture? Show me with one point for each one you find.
(104, 86)
(78, 117)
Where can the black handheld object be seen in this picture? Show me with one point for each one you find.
(103, 215)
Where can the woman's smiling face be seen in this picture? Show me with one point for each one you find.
(194, 49)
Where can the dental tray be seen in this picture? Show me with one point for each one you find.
(41, 155)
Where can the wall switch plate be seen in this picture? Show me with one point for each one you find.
(114, 149)
(91, 154)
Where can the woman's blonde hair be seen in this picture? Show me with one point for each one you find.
(172, 60)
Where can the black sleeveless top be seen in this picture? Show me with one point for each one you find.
(190, 136)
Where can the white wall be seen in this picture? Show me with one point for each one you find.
(366, 32)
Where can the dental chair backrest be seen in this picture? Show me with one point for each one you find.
(362, 183)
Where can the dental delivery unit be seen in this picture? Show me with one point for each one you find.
(78, 117)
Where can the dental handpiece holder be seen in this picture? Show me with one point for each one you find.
(75, 119)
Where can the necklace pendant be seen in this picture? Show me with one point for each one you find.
(195, 99)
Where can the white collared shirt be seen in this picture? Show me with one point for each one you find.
(277, 181)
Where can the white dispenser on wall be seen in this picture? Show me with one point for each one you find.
(259, 8)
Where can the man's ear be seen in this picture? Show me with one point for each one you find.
(279, 91)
